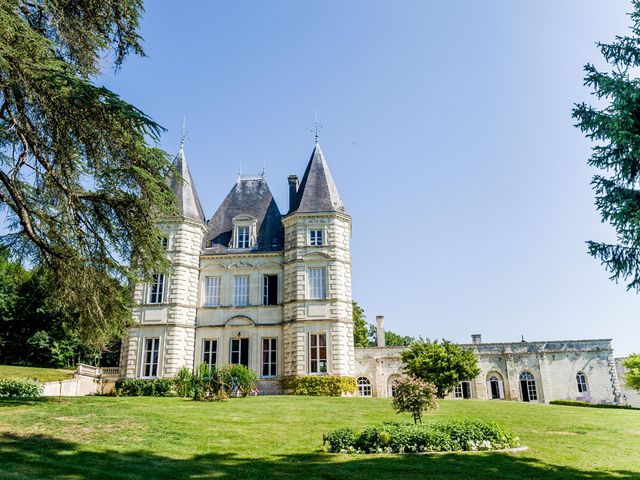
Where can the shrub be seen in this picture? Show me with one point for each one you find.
(439, 436)
(211, 383)
(414, 396)
(160, 387)
(183, 382)
(321, 385)
(574, 403)
(20, 388)
(242, 380)
(206, 382)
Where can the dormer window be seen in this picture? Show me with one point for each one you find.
(316, 238)
(244, 232)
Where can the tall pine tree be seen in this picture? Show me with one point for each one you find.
(614, 127)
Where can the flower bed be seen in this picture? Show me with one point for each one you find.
(436, 436)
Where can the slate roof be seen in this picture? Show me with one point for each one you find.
(318, 191)
(188, 202)
(249, 196)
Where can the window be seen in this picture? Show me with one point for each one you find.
(241, 290)
(239, 352)
(242, 236)
(316, 238)
(318, 353)
(269, 357)
(462, 390)
(150, 357)
(495, 389)
(528, 387)
(270, 290)
(164, 242)
(317, 283)
(364, 387)
(457, 391)
(210, 352)
(582, 383)
(156, 290)
(212, 291)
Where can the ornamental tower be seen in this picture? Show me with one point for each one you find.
(161, 341)
(318, 325)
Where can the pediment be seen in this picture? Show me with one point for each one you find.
(316, 256)
(239, 321)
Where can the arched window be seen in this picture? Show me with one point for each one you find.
(581, 379)
(364, 387)
(392, 383)
(528, 387)
(495, 389)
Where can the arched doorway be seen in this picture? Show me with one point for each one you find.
(495, 386)
(528, 388)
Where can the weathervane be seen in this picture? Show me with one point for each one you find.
(184, 131)
(317, 128)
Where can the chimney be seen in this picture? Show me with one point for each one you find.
(476, 339)
(380, 330)
(293, 191)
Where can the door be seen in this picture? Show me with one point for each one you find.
(239, 354)
(495, 389)
(524, 390)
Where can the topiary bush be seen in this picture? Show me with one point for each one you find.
(321, 385)
(139, 387)
(20, 388)
(437, 436)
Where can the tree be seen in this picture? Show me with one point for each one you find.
(443, 364)
(632, 377)
(615, 127)
(393, 339)
(414, 396)
(360, 334)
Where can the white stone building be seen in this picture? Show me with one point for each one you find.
(250, 286)
(273, 292)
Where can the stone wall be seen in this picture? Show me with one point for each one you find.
(627, 395)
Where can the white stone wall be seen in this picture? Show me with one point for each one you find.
(554, 366)
(628, 396)
(332, 315)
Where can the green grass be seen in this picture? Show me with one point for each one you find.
(281, 437)
(42, 374)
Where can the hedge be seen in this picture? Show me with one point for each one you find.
(20, 388)
(160, 387)
(321, 386)
(438, 436)
(575, 403)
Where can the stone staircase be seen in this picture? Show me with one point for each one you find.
(270, 387)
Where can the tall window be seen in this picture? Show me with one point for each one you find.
(528, 387)
(269, 357)
(582, 383)
(270, 290)
(241, 290)
(164, 242)
(150, 357)
(495, 390)
(242, 236)
(156, 290)
(212, 291)
(318, 353)
(316, 238)
(317, 283)
(210, 352)
(364, 387)
(462, 390)
(239, 352)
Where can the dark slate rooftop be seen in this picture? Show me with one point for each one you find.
(317, 192)
(188, 203)
(249, 196)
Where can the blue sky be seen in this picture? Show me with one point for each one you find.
(448, 130)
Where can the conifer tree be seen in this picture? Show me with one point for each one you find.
(614, 126)
(80, 183)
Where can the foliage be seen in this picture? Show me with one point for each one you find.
(439, 436)
(615, 129)
(80, 186)
(632, 376)
(212, 383)
(414, 396)
(444, 364)
(183, 382)
(392, 339)
(242, 380)
(139, 387)
(20, 387)
(574, 403)
(360, 333)
(321, 385)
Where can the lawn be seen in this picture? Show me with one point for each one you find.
(281, 437)
(42, 374)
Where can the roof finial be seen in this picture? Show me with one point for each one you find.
(317, 128)
(184, 131)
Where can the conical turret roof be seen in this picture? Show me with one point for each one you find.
(317, 192)
(188, 203)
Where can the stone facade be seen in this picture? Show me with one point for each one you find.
(522, 371)
(628, 396)
(251, 286)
